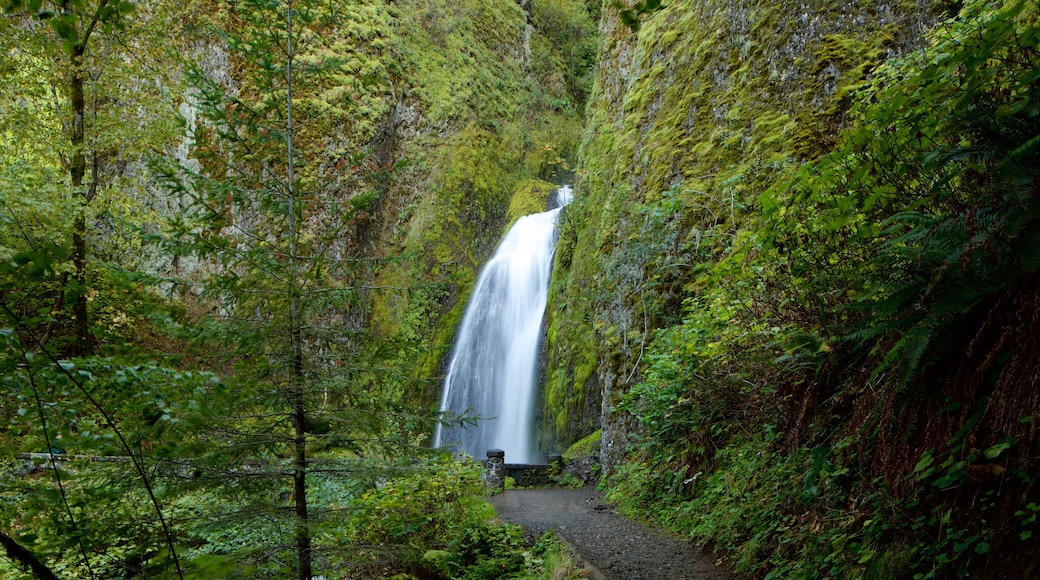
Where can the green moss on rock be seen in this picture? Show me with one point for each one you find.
(584, 447)
(475, 117)
(708, 105)
(532, 196)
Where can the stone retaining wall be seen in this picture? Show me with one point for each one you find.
(496, 470)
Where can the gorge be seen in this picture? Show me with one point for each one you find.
(792, 314)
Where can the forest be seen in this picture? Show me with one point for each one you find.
(794, 313)
(214, 291)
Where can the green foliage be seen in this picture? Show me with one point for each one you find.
(82, 105)
(557, 561)
(928, 209)
(281, 228)
(864, 324)
(419, 510)
(490, 552)
(497, 551)
(433, 521)
(278, 195)
(439, 507)
(811, 513)
(74, 21)
(136, 416)
(695, 396)
(633, 17)
(564, 51)
(70, 147)
(233, 230)
(716, 106)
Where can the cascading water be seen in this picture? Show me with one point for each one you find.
(493, 373)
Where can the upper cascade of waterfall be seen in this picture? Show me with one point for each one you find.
(562, 198)
(493, 373)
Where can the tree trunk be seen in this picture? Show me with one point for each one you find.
(20, 554)
(77, 171)
(303, 533)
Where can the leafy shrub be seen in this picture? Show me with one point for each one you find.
(895, 280)
(423, 510)
(488, 552)
(930, 206)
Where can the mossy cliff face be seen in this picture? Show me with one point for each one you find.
(435, 116)
(435, 120)
(486, 96)
(690, 119)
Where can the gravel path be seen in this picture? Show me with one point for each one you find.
(613, 547)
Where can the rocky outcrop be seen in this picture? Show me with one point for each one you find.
(707, 105)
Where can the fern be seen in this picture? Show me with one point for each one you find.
(930, 206)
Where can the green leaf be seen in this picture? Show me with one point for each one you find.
(64, 26)
(925, 462)
(995, 451)
(12, 6)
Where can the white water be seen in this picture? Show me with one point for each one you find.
(493, 373)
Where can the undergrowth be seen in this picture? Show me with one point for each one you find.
(851, 391)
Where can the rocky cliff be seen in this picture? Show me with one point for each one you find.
(796, 288)
(488, 97)
(691, 118)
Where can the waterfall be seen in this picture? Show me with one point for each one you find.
(493, 373)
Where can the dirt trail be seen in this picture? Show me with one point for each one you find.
(611, 546)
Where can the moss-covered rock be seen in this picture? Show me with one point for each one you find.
(478, 111)
(691, 118)
(532, 196)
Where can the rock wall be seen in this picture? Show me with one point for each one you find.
(489, 96)
(691, 117)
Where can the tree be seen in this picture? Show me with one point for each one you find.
(127, 415)
(85, 90)
(17, 552)
(278, 203)
(74, 23)
(81, 106)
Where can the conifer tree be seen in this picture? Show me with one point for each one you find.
(279, 192)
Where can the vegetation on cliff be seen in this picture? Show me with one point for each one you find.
(794, 307)
(801, 274)
(496, 97)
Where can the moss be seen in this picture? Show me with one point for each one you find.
(720, 100)
(532, 196)
(585, 446)
(483, 119)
